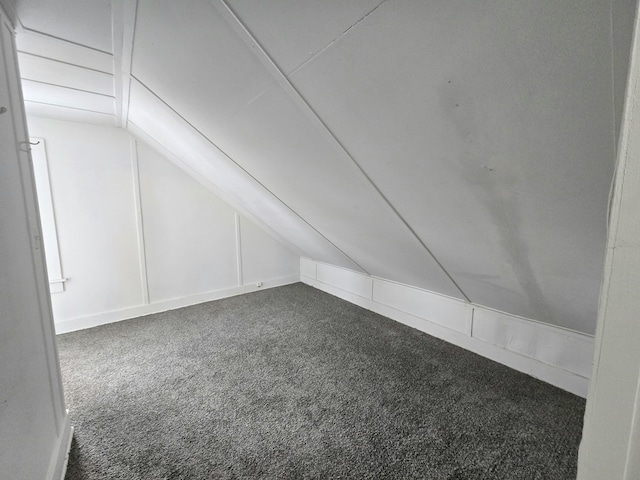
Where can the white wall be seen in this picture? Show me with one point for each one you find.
(189, 235)
(93, 197)
(261, 253)
(136, 234)
(34, 426)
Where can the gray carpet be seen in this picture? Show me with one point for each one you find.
(294, 383)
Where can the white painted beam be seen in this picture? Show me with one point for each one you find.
(198, 177)
(158, 120)
(124, 23)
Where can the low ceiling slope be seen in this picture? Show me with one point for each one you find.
(464, 147)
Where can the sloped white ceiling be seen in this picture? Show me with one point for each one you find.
(84, 22)
(463, 147)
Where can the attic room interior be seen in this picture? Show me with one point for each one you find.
(344, 239)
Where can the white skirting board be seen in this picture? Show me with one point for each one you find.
(81, 323)
(60, 456)
(552, 354)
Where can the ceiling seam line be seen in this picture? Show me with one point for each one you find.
(60, 39)
(69, 107)
(56, 60)
(255, 46)
(68, 88)
(328, 45)
(249, 174)
(233, 115)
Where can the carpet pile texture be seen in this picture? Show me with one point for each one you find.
(293, 383)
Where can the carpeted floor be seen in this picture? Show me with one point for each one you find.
(294, 383)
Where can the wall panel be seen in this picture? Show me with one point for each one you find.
(92, 189)
(139, 235)
(189, 234)
(448, 312)
(353, 282)
(263, 257)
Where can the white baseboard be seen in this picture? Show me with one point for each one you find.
(552, 354)
(103, 318)
(60, 457)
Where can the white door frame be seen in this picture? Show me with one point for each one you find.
(610, 446)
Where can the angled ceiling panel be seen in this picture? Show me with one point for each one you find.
(489, 128)
(194, 61)
(273, 140)
(33, 67)
(67, 113)
(63, 79)
(67, 97)
(150, 116)
(64, 51)
(85, 22)
(293, 32)
(222, 89)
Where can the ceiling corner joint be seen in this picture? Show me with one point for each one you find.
(124, 15)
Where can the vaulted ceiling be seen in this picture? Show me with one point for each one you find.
(466, 147)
